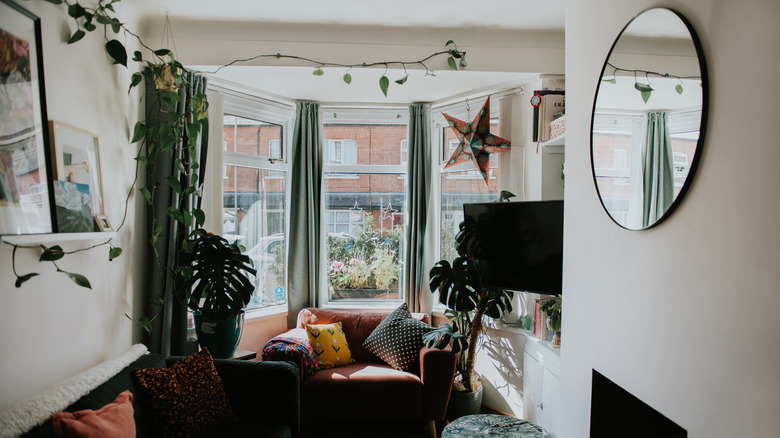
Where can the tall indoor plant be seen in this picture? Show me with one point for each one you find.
(213, 281)
(460, 289)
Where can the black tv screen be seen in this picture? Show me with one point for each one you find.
(517, 246)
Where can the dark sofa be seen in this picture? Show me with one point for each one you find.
(264, 395)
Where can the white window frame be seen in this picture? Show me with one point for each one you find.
(367, 116)
(238, 103)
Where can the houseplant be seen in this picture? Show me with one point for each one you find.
(460, 289)
(213, 282)
(553, 309)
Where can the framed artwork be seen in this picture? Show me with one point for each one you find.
(77, 160)
(74, 207)
(26, 201)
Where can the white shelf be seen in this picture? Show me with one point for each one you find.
(555, 145)
(25, 239)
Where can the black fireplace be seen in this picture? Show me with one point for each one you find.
(614, 412)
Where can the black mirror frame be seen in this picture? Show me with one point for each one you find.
(702, 128)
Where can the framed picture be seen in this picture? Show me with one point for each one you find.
(26, 201)
(103, 223)
(77, 160)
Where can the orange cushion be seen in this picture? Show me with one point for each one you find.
(114, 420)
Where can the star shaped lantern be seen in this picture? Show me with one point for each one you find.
(476, 141)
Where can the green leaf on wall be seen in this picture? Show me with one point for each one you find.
(52, 254)
(347, 78)
(384, 83)
(679, 89)
(116, 50)
(77, 35)
(318, 72)
(645, 90)
(21, 279)
(114, 253)
(77, 278)
(451, 61)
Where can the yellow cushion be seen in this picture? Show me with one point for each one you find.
(329, 344)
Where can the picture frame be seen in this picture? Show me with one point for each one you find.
(103, 224)
(76, 157)
(26, 188)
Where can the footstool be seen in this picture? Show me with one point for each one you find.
(481, 425)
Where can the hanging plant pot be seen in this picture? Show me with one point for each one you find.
(464, 403)
(166, 80)
(220, 337)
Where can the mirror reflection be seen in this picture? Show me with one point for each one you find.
(647, 119)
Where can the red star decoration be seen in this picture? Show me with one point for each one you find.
(476, 141)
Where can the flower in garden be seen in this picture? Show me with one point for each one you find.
(354, 261)
(337, 266)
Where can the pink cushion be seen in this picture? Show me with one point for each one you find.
(357, 325)
(114, 420)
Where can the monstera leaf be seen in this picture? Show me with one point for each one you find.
(459, 284)
(214, 276)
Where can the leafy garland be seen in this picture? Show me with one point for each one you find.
(170, 75)
(645, 89)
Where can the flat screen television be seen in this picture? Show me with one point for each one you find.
(517, 246)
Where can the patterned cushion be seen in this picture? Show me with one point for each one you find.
(293, 346)
(397, 340)
(188, 397)
(114, 420)
(329, 344)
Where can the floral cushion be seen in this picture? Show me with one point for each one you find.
(329, 344)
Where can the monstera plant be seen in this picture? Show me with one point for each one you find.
(460, 289)
(215, 284)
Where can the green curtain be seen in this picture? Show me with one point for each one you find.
(305, 200)
(418, 195)
(658, 173)
(169, 327)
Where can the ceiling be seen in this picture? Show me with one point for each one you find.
(298, 83)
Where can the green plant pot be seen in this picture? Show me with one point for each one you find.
(464, 403)
(220, 337)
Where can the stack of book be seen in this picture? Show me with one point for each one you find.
(552, 103)
(540, 321)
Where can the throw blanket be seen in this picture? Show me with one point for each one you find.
(20, 418)
(292, 346)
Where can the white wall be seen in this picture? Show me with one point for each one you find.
(52, 328)
(684, 315)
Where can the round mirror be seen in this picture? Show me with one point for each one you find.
(649, 119)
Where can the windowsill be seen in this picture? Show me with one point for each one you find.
(266, 313)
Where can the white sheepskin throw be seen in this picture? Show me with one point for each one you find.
(21, 417)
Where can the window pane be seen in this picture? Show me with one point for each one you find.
(252, 137)
(253, 215)
(366, 247)
(458, 188)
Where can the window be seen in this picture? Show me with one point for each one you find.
(461, 183)
(255, 191)
(365, 198)
(404, 151)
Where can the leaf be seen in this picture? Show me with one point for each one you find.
(77, 278)
(347, 78)
(402, 80)
(135, 80)
(139, 132)
(449, 42)
(200, 216)
(451, 61)
(145, 323)
(644, 89)
(89, 26)
(137, 56)
(610, 81)
(175, 184)
(103, 19)
(384, 82)
(52, 254)
(117, 51)
(56, 2)
(114, 252)
(147, 195)
(23, 278)
(679, 89)
(77, 35)
(116, 25)
(318, 72)
(75, 10)
(162, 52)
(463, 62)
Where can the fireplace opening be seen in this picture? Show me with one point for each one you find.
(614, 412)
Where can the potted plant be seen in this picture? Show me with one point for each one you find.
(553, 309)
(214, 283)
(460, 289)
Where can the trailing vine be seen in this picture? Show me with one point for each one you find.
(178, 133)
